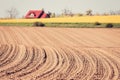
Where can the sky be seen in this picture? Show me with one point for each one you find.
(56, 6)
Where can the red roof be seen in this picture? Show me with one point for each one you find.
(44, 15)
(34, 14)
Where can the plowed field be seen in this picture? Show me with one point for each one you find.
(59, 53)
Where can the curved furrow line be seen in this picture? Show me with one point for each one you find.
(33, 63)
(118, 65)
(104, 66)
(109, 70)
(83, 73)
(37, 62)
(51, 63)
(40, 61)
(3, 49)
(61, 74)
(41, 66)
(87, 66)
(114, 71)
(61, 67)
(114, 56)
(78, 66)
(91, 66)
(8, 62)
(52, 73)
(114, 52)
(96, 71)
(8, 67)
(75, 73)
(60, 70)
(11, 57)
(112, 63)
(23, 65)
(27, 64)
(108, 65)
(100, 69)
(71, 62)
(4, 55)
(72, 65)
(12, 66)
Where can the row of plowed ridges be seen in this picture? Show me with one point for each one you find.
(19, 62)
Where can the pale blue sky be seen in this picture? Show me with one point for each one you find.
(76, 6)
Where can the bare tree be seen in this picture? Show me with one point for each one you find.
(115, 12)
(89, 12)
(12, 12)
(67, 12)
(118, 12)
(53, 15)
(112, 13)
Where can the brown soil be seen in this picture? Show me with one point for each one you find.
(59, 53)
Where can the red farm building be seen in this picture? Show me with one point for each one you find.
(37, 14)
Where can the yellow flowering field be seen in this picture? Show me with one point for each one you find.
(84, 19)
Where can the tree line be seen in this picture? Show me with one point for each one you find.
(89, 12)
(13, 13)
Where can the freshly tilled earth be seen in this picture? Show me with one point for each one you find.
(59, 53)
